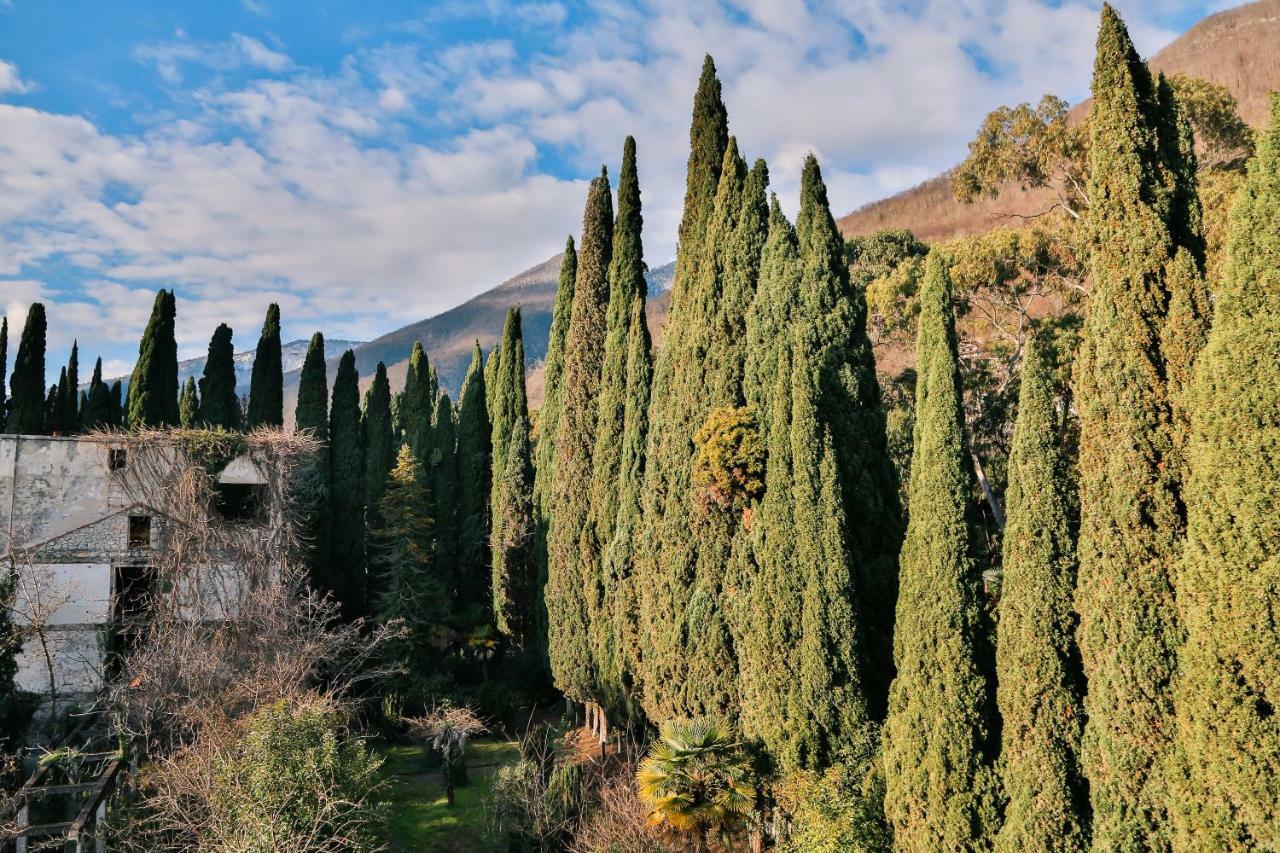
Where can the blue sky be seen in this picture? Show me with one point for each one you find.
(370, 164)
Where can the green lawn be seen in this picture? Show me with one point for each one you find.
(420, 818)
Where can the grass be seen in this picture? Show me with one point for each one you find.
(421, 820)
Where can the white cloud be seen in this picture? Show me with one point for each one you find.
(258, 54)
(10, 80)
(392, 99)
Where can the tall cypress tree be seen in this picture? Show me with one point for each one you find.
(266, 384)
(26, 384)
(55, 406)
(1131, 523)
(97, 409)
(71, 402)
(938, 734)
(345, 576)
(311, 414)
(504, 384)
(472, 577)
(379, 447)
(418, 403)
(1037, 662)
(572, 576)
(219, 403)
(117, 404)
(188, 404)
(515, 569)
(1228, 734)
(443, 470)
(153, 386)
(4, 366)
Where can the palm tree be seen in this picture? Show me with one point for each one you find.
(697, 779)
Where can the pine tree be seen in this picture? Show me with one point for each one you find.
(1131, 524)
(4, 364)
(188, 404)
(26, 384)
(572, 576)
(1037, 663)
(71, 401)
(219, 404)
(1228, 734)
(937, 735)
(345, 576)
(473, 571)
(379, 447)
(409, 580)
(266, 384)
(312, 416)
(418, 403)
(443, 470)
(153, 386)
(97, 409)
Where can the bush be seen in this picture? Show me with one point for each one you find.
(728, 462)
(839, 811)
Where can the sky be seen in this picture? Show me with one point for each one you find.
(366, 165)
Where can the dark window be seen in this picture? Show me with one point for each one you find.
(117, 458)
(237, 501)
(139, 531)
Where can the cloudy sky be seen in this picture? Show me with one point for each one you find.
(370, 164)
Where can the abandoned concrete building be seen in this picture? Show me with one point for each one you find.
(85, 527)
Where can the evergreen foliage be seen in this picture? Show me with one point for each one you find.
(473, 575)
(573, 573)
(56, 404)
(1228, 734)
(937, 735)
(504, 386)
(4, 366)
(311, 414)
(71, 399)
(153, 386)
(418, 402)
(1037, 663)
(97, 408)
(344, 576)
(266, 383)
(443, 472)
(117, 404)
(379, 445)
(219, 403)
(188, 404)
(26, 384)
(1141, 220)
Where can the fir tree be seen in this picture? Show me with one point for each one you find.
(153, 386)
(938, 734)
(443, 471)
(410, 588)
(219, 405)
(26, 384)
(71, 401)
(418, 403)
(188, 404)
(1131, 522)
(1228, 734)
(266, 384)
(473, 571)
(345, 575)
(97, 409)
(1037, 663)
(573, 576)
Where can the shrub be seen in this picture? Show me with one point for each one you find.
(728, 462)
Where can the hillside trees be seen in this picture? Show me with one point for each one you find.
(1227, 737)
(1131, 522)
(219, 404)
(266, 383)
(937, 736)
(153, 386)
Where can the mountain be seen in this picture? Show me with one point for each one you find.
(449, 336)
(1236, 48)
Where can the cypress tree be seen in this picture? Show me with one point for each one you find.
(4, 365)
(345, 576)
(379, 446)
(1131, 522)
(708, 138)
(26, 384)
(938, 733)
(443, 470)
(1037, 663)
(418, 403)
(153, 386)
(1228, 734)
(71, 401)
(97, 408)
(572, 576)
(515, 569)
(312, 416)
(188, 404)
(117, 404)
(504, 384)
(219, 404)
(266, 384)
(473, 571)
(55, 406)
